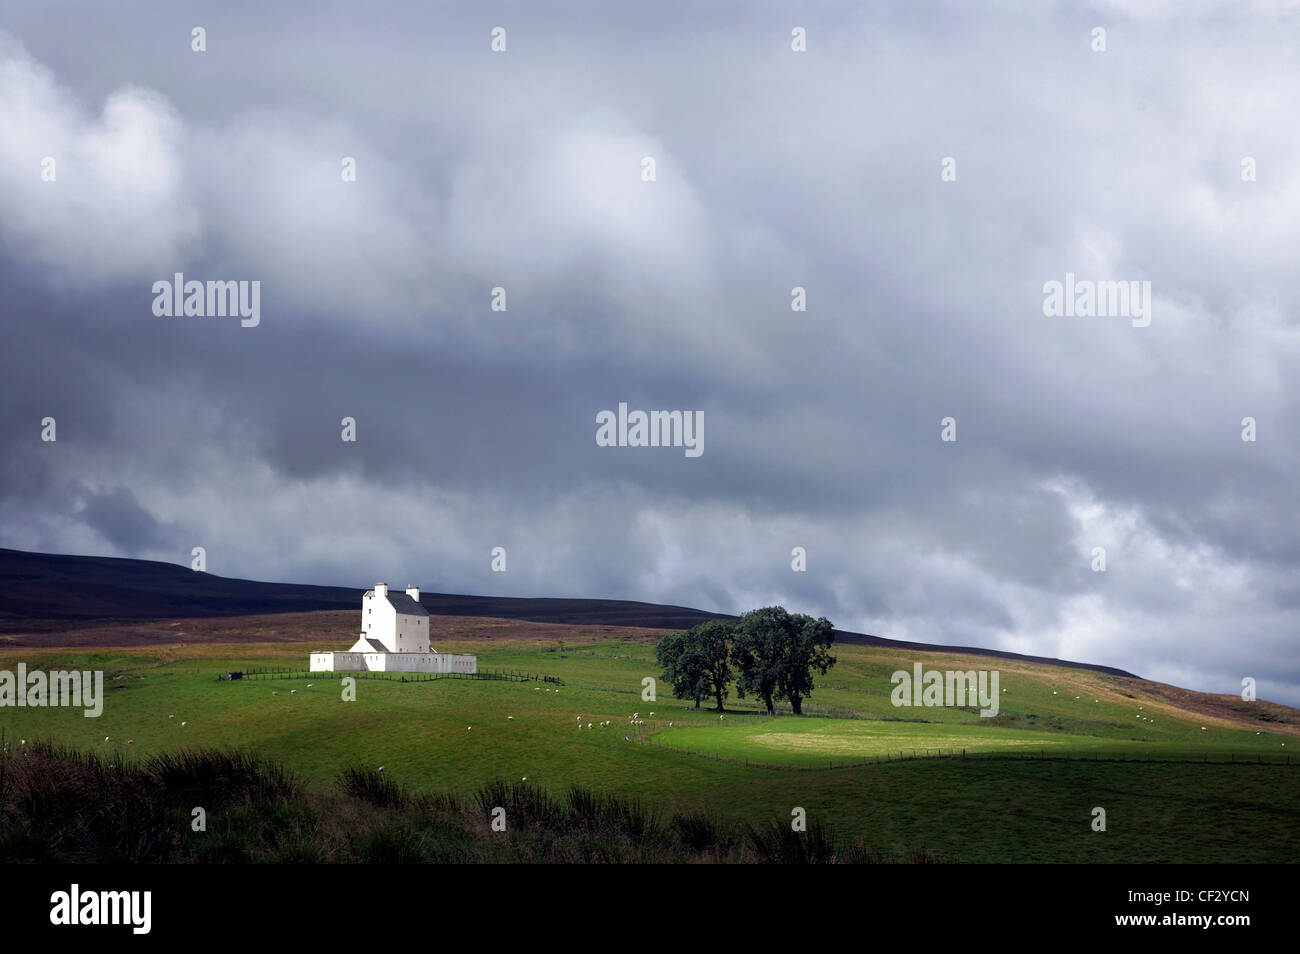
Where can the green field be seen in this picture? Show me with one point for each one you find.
(981, 808)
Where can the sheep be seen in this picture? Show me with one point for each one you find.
(652, 715)
(275, 693)
(670, 725)
(469, 728)
(381, 768)
(309, 685)
(130, 741)
(105, 738)
(510, 718)
(183, 724)
(524, 779)
(721, 718)
(588, 725)
(1202, 728)
(293, 692)
(636, 715)
(171, 716)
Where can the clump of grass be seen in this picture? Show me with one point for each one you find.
(777, 843)
(217, 778)
(371, 786)
(697, 832)
(525, 804)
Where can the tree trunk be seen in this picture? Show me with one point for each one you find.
(719, 695)
(697, 702)
(797, 704)
(771, 709)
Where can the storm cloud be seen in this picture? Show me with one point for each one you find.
(774, 169)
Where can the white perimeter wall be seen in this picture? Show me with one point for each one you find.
(393, 662)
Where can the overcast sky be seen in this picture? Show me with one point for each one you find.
(523, 169)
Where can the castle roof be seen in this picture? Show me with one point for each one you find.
(403, 603)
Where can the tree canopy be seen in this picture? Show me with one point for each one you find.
(770, 653)
(776, 654)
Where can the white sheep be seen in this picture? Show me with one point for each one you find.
(588, 725)
(105, 738)
(469, 728)
(381, 768)
(171, 717)
(183, 724)
(293, 692)
(275, 693)
(510, 718)
(1202, 728)
(130, 741)
(652, 715)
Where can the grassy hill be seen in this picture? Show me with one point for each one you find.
(1064, 742)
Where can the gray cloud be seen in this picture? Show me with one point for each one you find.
(476, 429)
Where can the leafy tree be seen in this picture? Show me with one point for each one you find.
(712, 645)
(683, 667)
(698, 661)
(776, 654)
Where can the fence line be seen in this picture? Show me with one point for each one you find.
(321, 674)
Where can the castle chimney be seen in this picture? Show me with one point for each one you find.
(381, 589)
(413, 592)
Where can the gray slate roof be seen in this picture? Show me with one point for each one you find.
(403, 604)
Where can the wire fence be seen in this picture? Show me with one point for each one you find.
(503, 675)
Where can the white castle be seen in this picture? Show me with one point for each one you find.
(394, 638)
